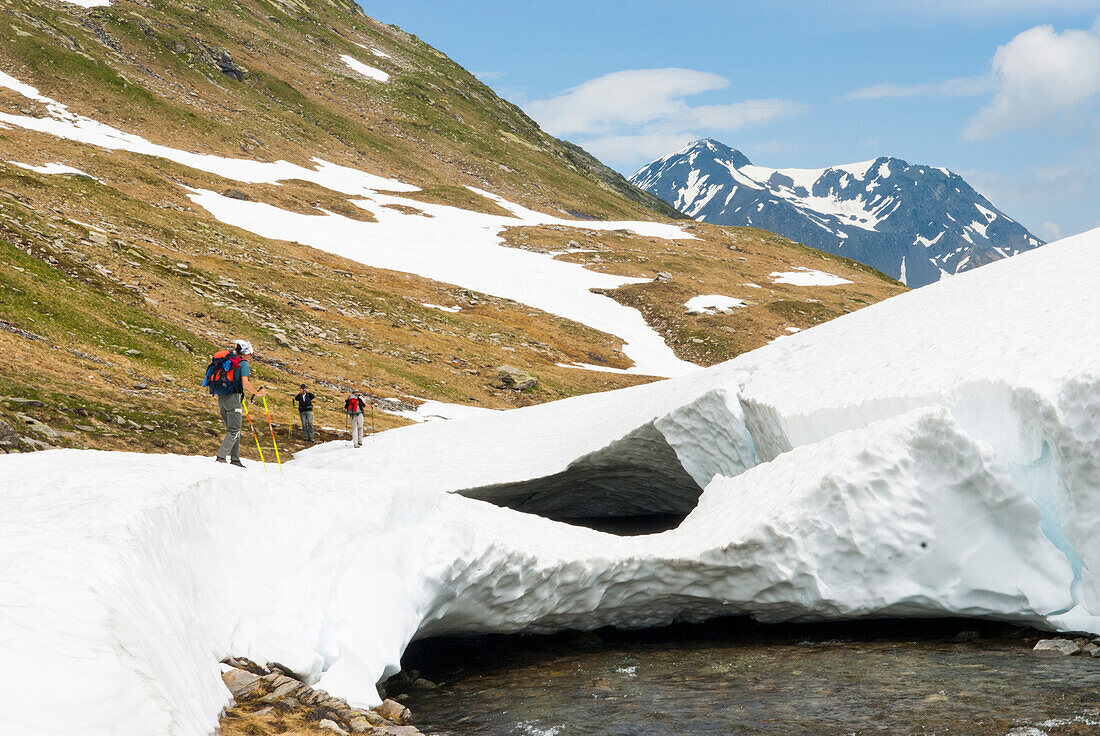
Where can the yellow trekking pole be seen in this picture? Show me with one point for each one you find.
(254, 435)
(272, 428)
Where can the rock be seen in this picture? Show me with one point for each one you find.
(395, 731)
(1063, 647)
(327, 724)
(967, 636)
(235, 194)
(17, 401)
(281, 340)
(359, 724)
(424, 684)
(39, 428)
(393, 711)
(1090, 649)
(9, 438)
(241, 684)
(664, 277)
(283, 687)
(516, 378)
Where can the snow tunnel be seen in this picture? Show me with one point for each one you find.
(636, 483)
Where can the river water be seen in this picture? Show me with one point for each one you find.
(735, 677)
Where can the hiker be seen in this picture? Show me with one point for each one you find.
(354, 407)
(227, 377)
(304, 400)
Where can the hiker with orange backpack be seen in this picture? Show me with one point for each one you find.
(227, 378)
(354, 407)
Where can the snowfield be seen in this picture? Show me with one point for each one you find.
(450, 245)
(875, 465)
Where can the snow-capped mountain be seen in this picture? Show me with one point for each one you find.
(915, 223)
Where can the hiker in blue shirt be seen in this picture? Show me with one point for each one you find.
(227, 378)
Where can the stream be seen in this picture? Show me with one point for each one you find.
(735, 676)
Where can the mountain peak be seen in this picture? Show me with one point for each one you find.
(720, 151)
(914, 222)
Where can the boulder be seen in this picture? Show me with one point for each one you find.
(516, 378)
(9, 438)
(241, 684)
(393, 711)
(424, 684)
(327, 724)
(396, 731)
(282, 686)
(1063, 647)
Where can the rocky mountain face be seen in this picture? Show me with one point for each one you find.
(915, 223)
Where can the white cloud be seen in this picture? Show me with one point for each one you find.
(1039, 74)
(959, 87)
(1051, 231)
(622, 98)
(633, 116)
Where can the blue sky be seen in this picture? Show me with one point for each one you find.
(1004, 92)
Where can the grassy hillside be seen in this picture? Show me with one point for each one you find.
(114, 290)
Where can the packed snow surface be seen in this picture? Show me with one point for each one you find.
(453, 245)
(807, 277)
(875, 465)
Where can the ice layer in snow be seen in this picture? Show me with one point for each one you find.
(875, 465)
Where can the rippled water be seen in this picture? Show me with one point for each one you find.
(735, 677)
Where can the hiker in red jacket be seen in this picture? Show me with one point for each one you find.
(354, 407)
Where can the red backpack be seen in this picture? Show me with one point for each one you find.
(223, 375)
(353, 405)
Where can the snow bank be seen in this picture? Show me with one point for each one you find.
(453, 245)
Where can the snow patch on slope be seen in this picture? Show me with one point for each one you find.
(454, 246)
(713, 303)
(807, 277)
(369, 72)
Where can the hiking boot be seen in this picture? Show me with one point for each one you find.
(220, 460)
(237, 461)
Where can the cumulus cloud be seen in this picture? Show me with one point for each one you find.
(959, 87)
(1039, 75)
(634, 115)
(622, 98)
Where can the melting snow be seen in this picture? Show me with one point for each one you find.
(367, 71)
(807, 277)
(54, 168)
(713, 303)
(876, 465)
(453, 246)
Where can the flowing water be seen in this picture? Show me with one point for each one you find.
(734, 677)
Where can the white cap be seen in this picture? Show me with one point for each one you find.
(244, 347)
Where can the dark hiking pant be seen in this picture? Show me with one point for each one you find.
(307, 424)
